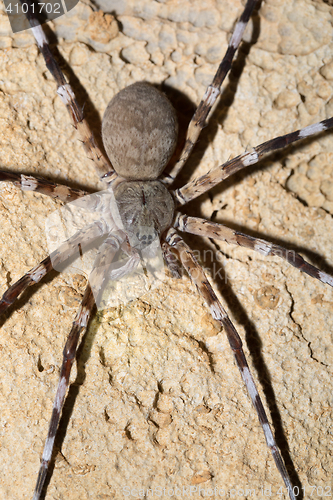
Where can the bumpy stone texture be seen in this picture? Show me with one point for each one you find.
(157, 408)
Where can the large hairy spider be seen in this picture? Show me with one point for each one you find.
(142, 415)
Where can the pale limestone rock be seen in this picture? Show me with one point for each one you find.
(157, 408)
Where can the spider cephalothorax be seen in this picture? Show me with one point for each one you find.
(146, 209)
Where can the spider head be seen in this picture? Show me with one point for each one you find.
(146, 209)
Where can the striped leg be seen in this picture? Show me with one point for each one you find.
(104, 270)
(66, 250)
(202, 227)
(198, 186)
(66, 93)
(93, 292)
(40, 185)
(79, 324)
(171, 261)
(199, 278)
(212, 92)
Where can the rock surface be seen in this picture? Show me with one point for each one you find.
(160, 401)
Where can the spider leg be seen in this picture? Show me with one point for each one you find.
(52, 261)
(97, 280)
(199, 278)
(198, 120)
(198, 186)
(171, 261)
(79, 324)
(66, 94)
(40, 185)
(202, 227)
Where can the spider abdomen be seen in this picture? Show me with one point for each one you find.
(139, 132)
(146, 210)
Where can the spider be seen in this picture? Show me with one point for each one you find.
(134, 430)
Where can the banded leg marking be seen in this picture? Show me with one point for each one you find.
(202, 227)
(40, 185)
(97, 281)
(66, 94)
(198, 186)
(66, 250)
(79, 324)
(212, 92)
(171, 260)
(204, 288)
